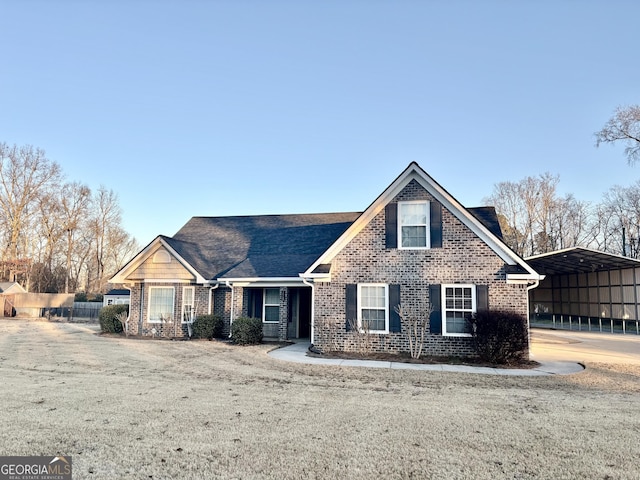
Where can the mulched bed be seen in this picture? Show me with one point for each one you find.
(427, 360)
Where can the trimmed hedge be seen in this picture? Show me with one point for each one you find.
(107, 317)
(246, 331)
(208, 326)
(499, 336)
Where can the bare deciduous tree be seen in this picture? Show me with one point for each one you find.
(75, 200)
(112, 245)
(362, 340)
(49, 233)
(534, 219)
(415, 323)
(52, 233)
(624, 127)
(571, 223)
(25, 175)
(123, 318)
(511, 213)
(619, 217)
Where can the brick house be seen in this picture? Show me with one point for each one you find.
(331, 277)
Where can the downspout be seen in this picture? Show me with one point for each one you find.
(211, 289)
(535, 284)
(228, 284)
(313, 307)
(129, 309)
(140, 319)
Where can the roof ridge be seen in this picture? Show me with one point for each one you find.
(355, 212)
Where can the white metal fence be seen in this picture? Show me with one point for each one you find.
(586, 324)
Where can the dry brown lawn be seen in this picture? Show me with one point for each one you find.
(127, 408)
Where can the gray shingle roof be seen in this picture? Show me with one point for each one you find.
(258, 246)
(489, 218)
(118, 291)
(268, 246)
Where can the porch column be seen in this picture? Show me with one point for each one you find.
(239, 307)
(283, 320)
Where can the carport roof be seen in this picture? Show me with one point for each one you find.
(579, 260)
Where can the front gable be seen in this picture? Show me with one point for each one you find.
(415, 184)
(161, 265)
(158, 262)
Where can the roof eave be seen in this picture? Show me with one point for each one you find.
(259, 281)
(523, 278)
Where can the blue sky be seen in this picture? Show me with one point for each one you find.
(240, 107)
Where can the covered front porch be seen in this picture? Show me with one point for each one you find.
(285, 310)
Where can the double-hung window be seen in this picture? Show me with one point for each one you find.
(373, 307)
(188, 304)
(271, 305)
(413, 224)
(459, 302)
(160, 304)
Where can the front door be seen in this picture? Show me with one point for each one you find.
(304, 313)
(299, 312)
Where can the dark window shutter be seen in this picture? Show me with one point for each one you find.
(435, 319)
(351, 295)
(395, 324)
(391, 225)
(482, 297)
(435, 223)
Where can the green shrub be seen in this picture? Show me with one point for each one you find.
(108, 318)
(246, 331)
(499, 336)
(208, 326)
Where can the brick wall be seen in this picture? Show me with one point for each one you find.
(174, 327)
(463, 258)
(222, 306)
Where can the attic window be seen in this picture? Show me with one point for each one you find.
(161, 256)
(413, 224)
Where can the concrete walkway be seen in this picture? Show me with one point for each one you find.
(297, 353)
(585, 347)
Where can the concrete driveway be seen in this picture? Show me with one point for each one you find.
(564, 345)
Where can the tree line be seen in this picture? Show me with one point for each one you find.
(535, 219)
(57, 236)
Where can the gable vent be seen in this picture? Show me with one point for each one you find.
(161, 256)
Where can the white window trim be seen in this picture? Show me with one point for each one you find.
(184, 304)
(386, 307)
(173, 304)
(427, 225)
(265, 305)
(443, 303)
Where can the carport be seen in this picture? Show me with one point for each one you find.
(587, 290)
